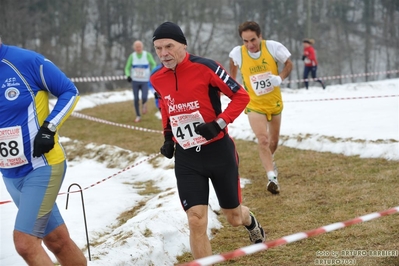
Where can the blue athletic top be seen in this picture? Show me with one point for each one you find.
(26, 80)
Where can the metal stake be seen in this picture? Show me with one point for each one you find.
(84, 214)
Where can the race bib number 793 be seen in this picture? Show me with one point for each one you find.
(261, 83)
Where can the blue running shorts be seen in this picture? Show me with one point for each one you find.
(35, 196)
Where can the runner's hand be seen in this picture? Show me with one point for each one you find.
(168, 149)
(44, 141)
(129, 79)
(275, 80)
(208, 130)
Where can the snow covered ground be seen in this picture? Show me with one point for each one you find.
(360, 119)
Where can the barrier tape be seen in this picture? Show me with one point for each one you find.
(346, 98)
(92, 79)
(112, 78)
(76, 114)
(117, 173)
(79, 115)
(343, 76)
(287, 239)
(105, 179)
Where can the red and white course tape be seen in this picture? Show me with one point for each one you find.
(79, 115)
(343, 98)
(105, 179)
(343, 76)
(287, 239)
(93, 79)
(112, 78)
(109, 177)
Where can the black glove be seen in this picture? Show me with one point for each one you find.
(129, 79)
(208, 130)
(44, 141)
(168, 149)
(303, 57)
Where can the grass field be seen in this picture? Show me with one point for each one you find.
(317, 189)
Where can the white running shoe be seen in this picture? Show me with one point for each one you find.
(273, 186)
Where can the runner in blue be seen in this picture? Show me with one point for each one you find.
(32, 161)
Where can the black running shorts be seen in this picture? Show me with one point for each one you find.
(217, 161)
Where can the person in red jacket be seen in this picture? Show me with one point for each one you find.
(196, 133)
(310, 60)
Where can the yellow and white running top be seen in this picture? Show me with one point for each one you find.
(256, 69)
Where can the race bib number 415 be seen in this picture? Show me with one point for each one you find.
(11, 147)
(183, 128)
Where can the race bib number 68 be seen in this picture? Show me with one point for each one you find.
(11, 147)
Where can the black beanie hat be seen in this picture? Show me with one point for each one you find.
(169, 30)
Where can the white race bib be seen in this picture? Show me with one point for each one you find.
(183, 128)
(139, 73)
(261, 83)
(11, 147)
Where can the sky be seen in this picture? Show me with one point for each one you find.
(361, 118)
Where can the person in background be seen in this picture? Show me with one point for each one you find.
(32, 161)
(258, 61)
(138, 68)
(310, 59)
(195, 132)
